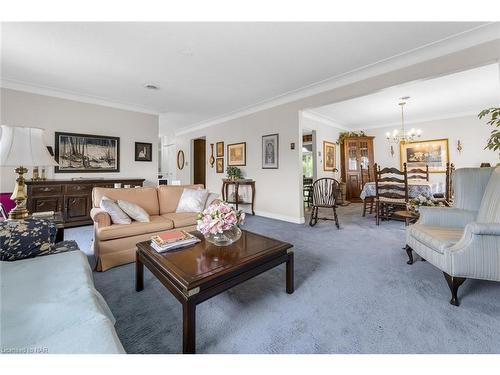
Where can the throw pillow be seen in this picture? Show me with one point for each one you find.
(116, 213)
(134, 211)
(211, 198)
(30, 238)
(192, 200)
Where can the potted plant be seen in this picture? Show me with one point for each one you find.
(494, 120)
(233, 173)
(343, 135)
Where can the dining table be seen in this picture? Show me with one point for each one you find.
(415, 188)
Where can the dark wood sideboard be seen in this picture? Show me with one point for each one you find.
(71, 197)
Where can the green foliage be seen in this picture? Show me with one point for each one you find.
(493, 120)
(233, 172)
(344, 135)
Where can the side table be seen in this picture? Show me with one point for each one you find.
(225, 191)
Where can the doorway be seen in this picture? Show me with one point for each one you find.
(308, 165)
(199, 161)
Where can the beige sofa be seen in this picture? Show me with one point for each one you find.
(114, 244)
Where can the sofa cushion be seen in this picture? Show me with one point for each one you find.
(169, 196)
(146, 197)
(437, 238)
(489, 211)
(51, 303)
(182, 219)
(157, 223)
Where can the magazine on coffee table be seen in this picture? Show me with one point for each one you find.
(172, 240)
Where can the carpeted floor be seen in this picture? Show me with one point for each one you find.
(354, 294)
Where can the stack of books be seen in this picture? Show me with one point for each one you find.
(172, 240)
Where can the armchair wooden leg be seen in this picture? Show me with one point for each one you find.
(371, 206)
(364, 207)
(377, 212)
(454, 283)
(410, 254)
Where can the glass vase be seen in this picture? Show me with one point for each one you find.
(225, 238)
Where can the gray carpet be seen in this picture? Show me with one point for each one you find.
(354, 294)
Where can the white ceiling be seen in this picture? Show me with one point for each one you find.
(451, 95)
(204, 70)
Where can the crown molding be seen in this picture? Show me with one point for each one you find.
(319, 117)
(478, 35)
(69, 95)
(419, 120)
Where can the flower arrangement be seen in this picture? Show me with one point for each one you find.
(422, 200)
(218, 218)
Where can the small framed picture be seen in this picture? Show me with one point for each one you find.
(270, 151)
(329, 163)
(143, 151)
(219, 149)
(219, 165)
(237, 154)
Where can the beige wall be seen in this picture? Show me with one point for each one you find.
(276, 189)
(54, 114)
(279, 191)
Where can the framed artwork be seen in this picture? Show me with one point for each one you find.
(86, 153)
(237, 154)
(143, 151)
(219, 165)
(180, 159)
(219, 149)
(433, 153)
(329, 156)
(270, 151)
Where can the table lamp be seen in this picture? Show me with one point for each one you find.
(22, 147)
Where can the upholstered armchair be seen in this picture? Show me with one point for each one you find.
(462, 241)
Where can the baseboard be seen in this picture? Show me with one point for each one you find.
(290, 219)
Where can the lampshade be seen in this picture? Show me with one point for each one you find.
(20, 146)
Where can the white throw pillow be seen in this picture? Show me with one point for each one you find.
(210, 199)
(192, 200)
(134, 211)
(116, 213)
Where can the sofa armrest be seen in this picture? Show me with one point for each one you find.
(487, 229)
(446, 217)
(476, 254)
(100, 217)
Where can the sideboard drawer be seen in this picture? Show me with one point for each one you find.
(46, 190)
(77, 188)
(108, 185)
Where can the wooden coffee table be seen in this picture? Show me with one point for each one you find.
(197, 273)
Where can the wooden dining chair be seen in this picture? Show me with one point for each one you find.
(419, 174)
(307, 190)
(366, 177)
(391, 187)
(446, 197)
(325, 193)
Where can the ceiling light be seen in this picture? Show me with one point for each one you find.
(403, 136)
(151, 86)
